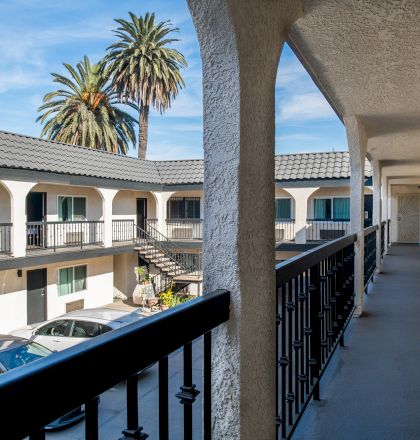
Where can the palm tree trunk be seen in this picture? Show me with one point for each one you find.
(143, 131)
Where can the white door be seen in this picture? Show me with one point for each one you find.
(408, 218)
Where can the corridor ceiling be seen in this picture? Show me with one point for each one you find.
(365, 57)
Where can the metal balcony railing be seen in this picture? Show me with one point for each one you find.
(79, 375)
(184, 228)
(315, 301)
(54, 235)
(5, 237)
(329, 229)
(285, 229)
(123, 231)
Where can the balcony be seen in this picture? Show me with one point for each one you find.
(328, 229)
(63, 235)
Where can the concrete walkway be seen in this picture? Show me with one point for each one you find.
(371, 390)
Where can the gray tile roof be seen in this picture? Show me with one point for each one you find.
(28, 153)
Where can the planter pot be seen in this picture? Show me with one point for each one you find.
(152, 302)
(162, 307)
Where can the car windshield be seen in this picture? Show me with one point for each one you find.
(24, 354)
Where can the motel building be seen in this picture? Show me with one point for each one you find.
(293, 246)
(72, 230)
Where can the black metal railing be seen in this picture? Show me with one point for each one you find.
(184, 228)
(5, 238)
(315, 300)
(285, 229)
(153, 222)
(383, 226)
(73, 377)
(54, 235)
(370, 254)
(324, 230)
(123, 231)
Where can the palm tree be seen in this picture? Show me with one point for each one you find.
(145, 70)
(85, 112)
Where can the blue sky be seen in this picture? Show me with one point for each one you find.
(37, 36)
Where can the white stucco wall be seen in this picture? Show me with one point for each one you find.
(124, 205)
(5, 205)
(124, 277)
(93, 199)
(13, 299)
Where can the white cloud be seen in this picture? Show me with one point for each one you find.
(304, 107)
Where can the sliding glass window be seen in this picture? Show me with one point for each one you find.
(283, 209)
(71, 208)
(184, 208)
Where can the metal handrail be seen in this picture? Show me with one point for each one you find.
(73, 377)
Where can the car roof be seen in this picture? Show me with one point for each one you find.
(8, 341)
(105, 314)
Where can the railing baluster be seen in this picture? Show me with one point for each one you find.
(188, 392)
(91, 419)
(163, 399)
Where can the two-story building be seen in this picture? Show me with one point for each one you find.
(73, 220)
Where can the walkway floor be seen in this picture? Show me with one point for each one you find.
(371, 390)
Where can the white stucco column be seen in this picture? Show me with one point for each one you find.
(357, 141)
(162, 210)
(240, 57)
(301, 197)
(18, 192)
(107, 198)
(385, 216)
(377, 210)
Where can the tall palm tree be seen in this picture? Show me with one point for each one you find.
(145, 70)
(85, 112)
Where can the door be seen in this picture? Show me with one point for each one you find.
(141, 213)
(408, 218)
(36, 210)
(36, 295)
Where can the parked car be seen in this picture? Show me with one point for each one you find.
(76, 327)
(15, 352)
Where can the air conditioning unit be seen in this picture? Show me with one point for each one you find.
(182, 233)
(279, 234)
(331, 234)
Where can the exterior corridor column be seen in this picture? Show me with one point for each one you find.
(107, 198)
(301, 197)
(385, 215)
(18, 192)
(240, 58)
(357, 140)
(162, 210)
(377, 210)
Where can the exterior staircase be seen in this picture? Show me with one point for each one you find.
(167, 257)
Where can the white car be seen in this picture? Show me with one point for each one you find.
(75, 327)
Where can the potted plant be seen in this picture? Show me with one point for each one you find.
(143, 278)
(166, 299)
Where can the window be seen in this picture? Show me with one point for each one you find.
(184, 207)
(336, 208)
(71, 208)
(84, 329)
(56, 328)
(283, 209)
(71, 279)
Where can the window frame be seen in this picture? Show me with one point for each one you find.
(332, 207)
(73, 279)
(72, 197)
(292, 207)
(185, 209)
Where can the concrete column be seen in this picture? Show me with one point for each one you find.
(377, 210)
(162, 210)
(385, 215)
(301, 197)
(357, 140)
(107, 198)
(18, 192)
(240, 58)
